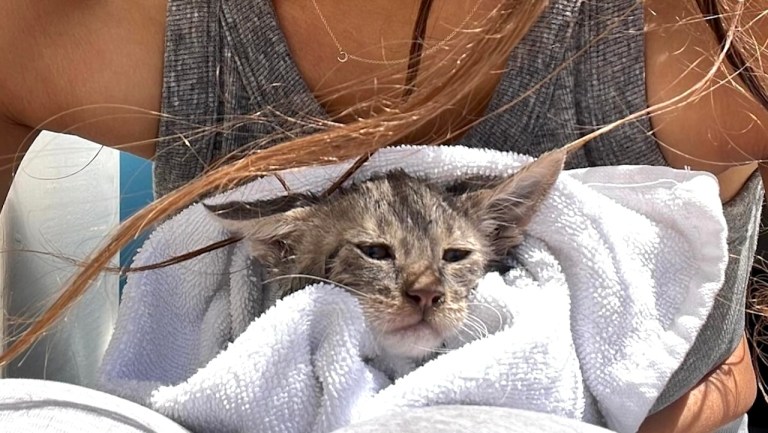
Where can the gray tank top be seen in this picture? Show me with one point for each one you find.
(226, 60)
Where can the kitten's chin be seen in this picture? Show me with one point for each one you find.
(415, 342)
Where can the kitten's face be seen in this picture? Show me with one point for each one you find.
(410, 251)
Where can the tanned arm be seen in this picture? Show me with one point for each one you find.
(721, 397)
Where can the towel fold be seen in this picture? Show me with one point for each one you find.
(617, 274)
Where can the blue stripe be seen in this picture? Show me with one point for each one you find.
(135, 193)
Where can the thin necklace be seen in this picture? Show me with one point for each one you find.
(343, 56)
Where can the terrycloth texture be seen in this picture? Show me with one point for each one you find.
(642, 252)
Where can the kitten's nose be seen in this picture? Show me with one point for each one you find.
(425, 298)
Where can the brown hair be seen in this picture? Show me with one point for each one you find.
(473, 57)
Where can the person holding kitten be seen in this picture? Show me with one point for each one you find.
(219, 92)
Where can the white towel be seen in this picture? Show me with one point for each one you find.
(618, 273)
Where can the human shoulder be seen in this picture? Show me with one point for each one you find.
(59, 56)
(723, 127)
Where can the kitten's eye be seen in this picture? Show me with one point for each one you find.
(453, 255)
(376, 252)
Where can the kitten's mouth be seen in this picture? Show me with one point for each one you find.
(412, 337)
(405, 325)
(421, 333)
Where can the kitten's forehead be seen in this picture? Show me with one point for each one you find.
(397, 201)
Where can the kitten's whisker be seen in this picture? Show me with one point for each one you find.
(461, 333)
(481, 328)
(492, 308)
(431, 349)
(313, 277)
(481, 324)
(476, 330)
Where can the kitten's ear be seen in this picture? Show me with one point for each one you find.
(267, 225)
(505, 207)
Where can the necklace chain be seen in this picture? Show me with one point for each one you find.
(345, 56)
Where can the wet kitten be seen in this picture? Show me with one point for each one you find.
(410, 250)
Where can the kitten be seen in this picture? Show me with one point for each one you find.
(410, 250)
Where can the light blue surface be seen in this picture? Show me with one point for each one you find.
(135, 193)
